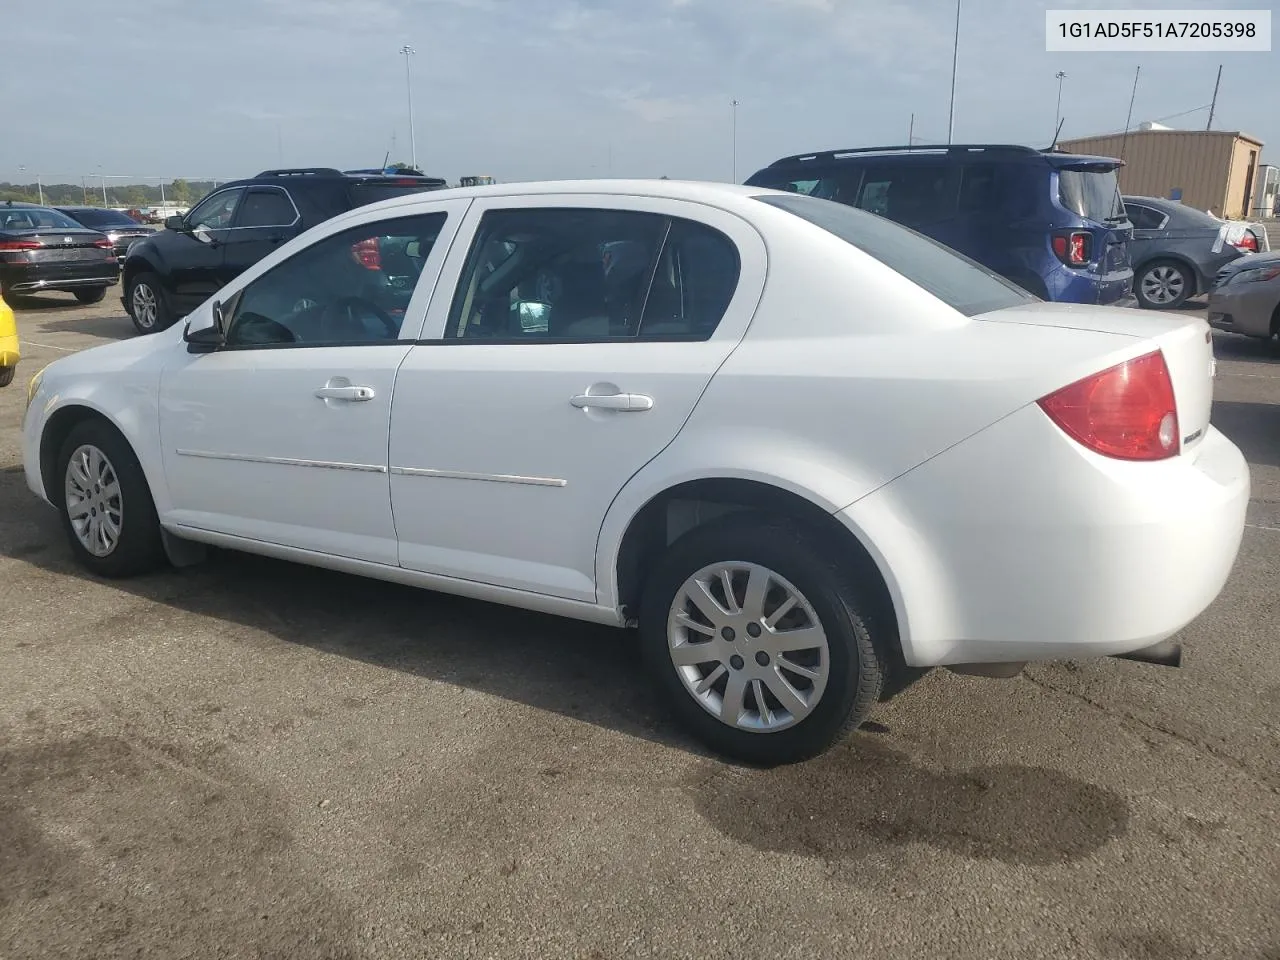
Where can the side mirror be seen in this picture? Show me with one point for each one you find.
(206, 335)
(175, 223)
(533, 315)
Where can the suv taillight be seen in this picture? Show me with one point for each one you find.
(366, 253)
(1075, 249)
(1127, 411)
(1247, 242)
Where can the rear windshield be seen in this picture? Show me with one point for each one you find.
(371, 191)
(1094, 195)
(956, 280)
(105, 218)
(35, 218)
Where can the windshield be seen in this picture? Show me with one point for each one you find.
(956, 280)
(104, 218)
(1094, 195)
(35, 218)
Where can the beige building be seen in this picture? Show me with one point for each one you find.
(1208, 169)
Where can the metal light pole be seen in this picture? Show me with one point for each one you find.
(955, 53)
(734, 105)
(1057, 113)
(408, 51)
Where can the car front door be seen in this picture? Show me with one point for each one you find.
(570, 341)
(196, 251)
(265, 219)
(280, 435)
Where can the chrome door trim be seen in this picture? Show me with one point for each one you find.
(284, 461)
(488, 477)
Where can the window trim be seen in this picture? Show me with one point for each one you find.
(638, 337)
(265, 188)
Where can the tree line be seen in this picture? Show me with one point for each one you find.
(182, 192)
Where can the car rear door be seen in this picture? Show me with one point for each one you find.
(569, 340)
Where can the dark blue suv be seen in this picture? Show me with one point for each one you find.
(1053, 223)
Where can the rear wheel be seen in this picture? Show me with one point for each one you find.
(147, 306)
(91, 296)
(1163, 285)
(768, 651)
(105, 502)
(6, 375)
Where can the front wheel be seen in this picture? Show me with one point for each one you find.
(105, 502)
(1163, 285)
(147, 306)
(768, 651)
(93, 295)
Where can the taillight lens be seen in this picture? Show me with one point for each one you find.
(20, 244)
(366, 253)
(1075, 249)
(1127, 411)
(104, 244)
(1247, 242)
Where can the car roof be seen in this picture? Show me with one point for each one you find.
(289, 176)
(957, 152)
(27, 206)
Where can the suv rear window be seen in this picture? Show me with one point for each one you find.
(371, 191)
(1092, 194)
(954, 279)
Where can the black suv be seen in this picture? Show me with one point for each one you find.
(170, 273)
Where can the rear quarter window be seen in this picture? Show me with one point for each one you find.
(961, 283)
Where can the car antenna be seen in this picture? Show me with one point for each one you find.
(1056, 134)
(385, 158)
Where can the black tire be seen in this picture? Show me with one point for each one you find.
(136, 304)
(857, 636)
(93, 295)
(138, 548)
(6, 375)
(1169, 273)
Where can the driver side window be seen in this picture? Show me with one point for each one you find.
(350, 288)
(216, 211)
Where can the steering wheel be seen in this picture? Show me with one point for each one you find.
(353, 308)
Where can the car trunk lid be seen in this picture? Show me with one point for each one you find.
(1185, 342)
(52, 245)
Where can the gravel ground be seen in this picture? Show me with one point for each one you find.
(252, 759)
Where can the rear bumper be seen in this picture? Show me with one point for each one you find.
(1072, 555)
(29, 278)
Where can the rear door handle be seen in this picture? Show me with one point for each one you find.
(352, 393)
(622, 402)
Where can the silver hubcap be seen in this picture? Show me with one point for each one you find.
(93, 500)
(748, 647)
(1162, 284)
(144, 305)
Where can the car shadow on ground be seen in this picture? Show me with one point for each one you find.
(114, 327)
(1227, 346)
(1253, 427)
(46, 302)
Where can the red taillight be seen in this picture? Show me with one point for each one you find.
(20, 245)
(1127, 412)
(1074, 249)
(366, 253)
(104, 244)
(1247, 242)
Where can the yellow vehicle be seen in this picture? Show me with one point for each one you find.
(9, 355)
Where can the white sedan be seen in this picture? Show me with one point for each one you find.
(808, 452)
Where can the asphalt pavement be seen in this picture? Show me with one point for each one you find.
(253, 759)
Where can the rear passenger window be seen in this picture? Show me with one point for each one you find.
(695, 280)
(1143, 218)
(909, 193)
(267, 208)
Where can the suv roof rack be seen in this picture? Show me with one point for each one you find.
(824, 155)
(302, 171)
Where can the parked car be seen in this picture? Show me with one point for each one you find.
(10, 350)
(1245, 297)
(1050, 222)
(664, 404)
(42, 249)
(1177, 250)
(172, 272)
(120, 228)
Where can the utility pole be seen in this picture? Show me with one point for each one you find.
(1214, 104)
(1127, 120)
(408, 51)
(734, 105)
(955, 54)
(911, 131)
(1057, 113)
(279, 144)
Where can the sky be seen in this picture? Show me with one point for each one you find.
(551, 89)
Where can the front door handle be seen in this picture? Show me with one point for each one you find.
(622, 402)
(353, 393)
